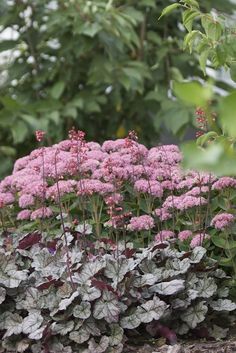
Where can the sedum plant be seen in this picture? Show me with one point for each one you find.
(106, 295)
(120, 190)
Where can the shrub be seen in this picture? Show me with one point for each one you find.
(72, 295)
(123, 191)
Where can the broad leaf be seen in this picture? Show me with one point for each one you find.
(195, 314)
(169, 288)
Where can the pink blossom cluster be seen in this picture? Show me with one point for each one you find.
(125, 176)
(144, 222)
(222, 220)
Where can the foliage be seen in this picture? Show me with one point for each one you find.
(87, 307)
(121, 190)
(107, 69)
(212, 37)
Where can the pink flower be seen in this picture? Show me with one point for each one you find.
(141, 223)
(164, 235)
(198, 240)
(224, 182)
(23, 215)
(7, 198)
(163, 214)
(151, 187)
(222, 220)
(43, 212)
(26, 200)
(185, 234)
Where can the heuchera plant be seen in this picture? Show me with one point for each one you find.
(120, 190)
(111, 295)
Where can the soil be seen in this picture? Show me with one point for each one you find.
(199, 347)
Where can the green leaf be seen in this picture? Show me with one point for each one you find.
(90, 29)
(169, 9)
(193, 93)
(188, 17)
(189, 39)
(8, 44)
(57, 90)
(228, 114)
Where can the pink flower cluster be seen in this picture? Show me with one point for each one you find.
(124, 176)
(141, 223)
(222, 220)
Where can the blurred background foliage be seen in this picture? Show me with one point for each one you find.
(102, 66)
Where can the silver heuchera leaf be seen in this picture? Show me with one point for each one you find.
(223, 292)
(107, 308)
(197, 254)
(82, 311)
(168, 288)
(91, 326)
(117, 269)
(90, 269)
(2, 294)
(223, 305)
(180, 266)
(116, 335)
(148, 266)
(63, 328)
(48, 264)
(100, 347)
(218, 332)
(37, 334)
(57, 347)
(32, 322)
(195, 314)
(66, 302)
(89, 293)
(148, 279)
(22, 345)
(182, 329)
(30, 301)
(79, 336)
(152, 310)
(180, 303)
(116, 349)
(132, 321)
(206, 287)
(12, 323)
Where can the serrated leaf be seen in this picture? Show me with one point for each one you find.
(116, 335)
(152, 310)
(100, 347)
(206, 287)
(89, 293)
(195, 314)
(67, 301)
(12, 323)
(168, 288)
(218, 332)
(37, 334)
(90, 269)
(63, 328)
(117, 269)
(79, 336)
(132, 321)
(82, 311)
(32, 322)
(147, 279)
(223, 305)
(197, 255)
(107, 307)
